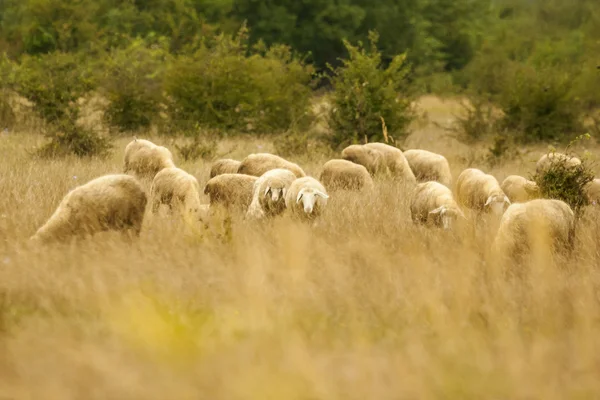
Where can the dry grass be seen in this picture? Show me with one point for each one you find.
(365, 305)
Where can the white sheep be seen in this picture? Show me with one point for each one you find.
(520, 189)
(259, 163)
(176, 188)
(232, 191)
(268, 197)
(541, 223)
(345, 175)
(395, 161)
(144, 159)
(548, 159)
(480, 191)
(369, 158)
(592, 191)
(433, 203)
(428, 166)
(306, 198)
(110, 202)
(224, 166)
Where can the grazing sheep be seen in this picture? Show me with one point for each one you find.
(345, 175)
(395, 161)
(175, 187)
(548, 159)
(479, 191)
(233, 191)
(259, 163)
(144, 159)
(371, 159)
(433, 203)
(224, 166)
(428, 166)
(110, 202)
(519, 189)
(537, 223)
(306, 198)
(592, 191)
(269, 193)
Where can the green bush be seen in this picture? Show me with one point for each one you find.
(132, 82)
(7, 77)
(235, 87)
(364, 92)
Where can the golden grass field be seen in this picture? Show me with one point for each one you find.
(364, 305)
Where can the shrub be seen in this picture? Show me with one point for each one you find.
(132, 82)
(7, 71)
(222, 86)
(564, 182)
(199, 147)
(364, 92)
(478, 121)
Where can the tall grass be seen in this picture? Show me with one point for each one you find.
(364, 305)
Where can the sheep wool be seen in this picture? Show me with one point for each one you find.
(345, 175)
(433, 204)
(592, 191)
(548, 159)
(519, 189)
(428, 166)
(306, 199)
(110, 202)
(259, 163)
(480, 191)
(144, 159)
(371, 159)
(224, 166)
(177, 189)
(395, 162)
(232, 191)
(268, 198)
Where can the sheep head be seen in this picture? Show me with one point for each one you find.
(309, 197)
(497, 203)
(446, 216)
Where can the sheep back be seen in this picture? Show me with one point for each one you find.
(428, 166)
(233, 191)
(259, 163)
(224, 166)
(519, 189)
(175, 187)
(345, 175)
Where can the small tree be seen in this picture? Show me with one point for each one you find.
(365, 92)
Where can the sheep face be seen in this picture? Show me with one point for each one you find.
(274, 199)
(497, 204)
(309, 197)
(445, 217)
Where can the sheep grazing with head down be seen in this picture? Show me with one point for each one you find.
(539, 224)
(345, 175)
(369, 158)
(144, 159)
(110, 202)
(592, 191)
(380, 159)
(519, 189)
(306, 198)
(231, 191)
(177, 189)
(481, 192)
(224, 166)
(548, 159)
(270, 189)
(433, 204)
(259, 163)
(428, 166)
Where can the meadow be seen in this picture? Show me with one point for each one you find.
(363, 305)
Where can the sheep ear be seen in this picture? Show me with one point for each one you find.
(489, 201)
(267, 190)
(300, 194)
(321, 194)
(283, 192)
(439, 210)
(506, 200)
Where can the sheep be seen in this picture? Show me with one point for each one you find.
(269, 193)
(306, 198)
(548, 159)
(428, 166)
(592, 191)
(175, 187)
(519, 189)
(232, 191)
(433, 204)
(259, 163)
(346, 175)
(224, 166)
(538, 222)
(371, 159)
(380, 158)
(108, 203)
(144, 159)
(481, 192)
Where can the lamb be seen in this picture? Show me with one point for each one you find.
(306, 198)
(144, 159)
(433, 204)
(268, 198)
(345, 175)
(259, 163)
(224, 166)
(428, 166)
(519, 189)
(481, 192)
(592, 191)
(371, 159)
(176, 188)
(548, 159)
(232, 191)
(108, 203)
(541, 222)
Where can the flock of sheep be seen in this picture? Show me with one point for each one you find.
(265, 185)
